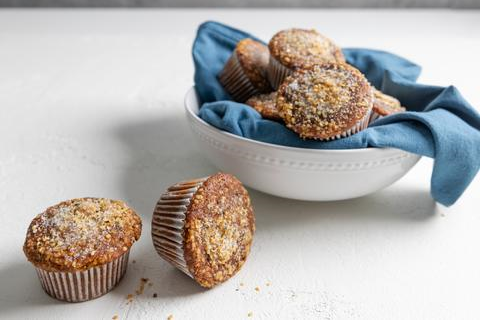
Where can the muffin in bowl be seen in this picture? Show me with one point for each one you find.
(327, 102)
(295, 49)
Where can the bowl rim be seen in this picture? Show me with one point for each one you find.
(190, 111)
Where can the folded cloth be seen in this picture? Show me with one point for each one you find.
(439, 123)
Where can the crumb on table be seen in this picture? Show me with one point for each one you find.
(141, 287)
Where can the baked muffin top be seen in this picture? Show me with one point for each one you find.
(218, 230)
(325, 101)
(384, 105)
(81, 233)
(302, 49)
(253, 57)
(266, 105)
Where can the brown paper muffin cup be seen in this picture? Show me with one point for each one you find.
(78, 286)
(374, 116)
(277, 72)
(359, 126)
(235, 81)
(169, 220)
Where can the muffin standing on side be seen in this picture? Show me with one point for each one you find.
(295, 49)
(244, 74)
(80, 247)
(205, 227)
(266, 105)
(384, 105)
(327, 102)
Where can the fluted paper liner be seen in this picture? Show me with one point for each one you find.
(168, 222)
(276, 72)
(374, 116)
(78, 286)
(235, 81)
(362, 124)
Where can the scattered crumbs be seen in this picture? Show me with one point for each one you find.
(115, 317)
(250, 314)
(170, 317)
(241, 284)
(268, 284)
(134, 261)
(155, 295)
(257, 289)
(129, 298)
(237, 289)
(141, 288)
(150, 284)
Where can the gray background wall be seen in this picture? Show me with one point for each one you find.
(245, 3)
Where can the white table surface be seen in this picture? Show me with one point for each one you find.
(91, 105)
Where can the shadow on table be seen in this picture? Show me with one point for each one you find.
(21, 288)
(161, 152)
(167, 281)
(394, 204)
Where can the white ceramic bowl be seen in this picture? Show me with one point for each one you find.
(296, 173)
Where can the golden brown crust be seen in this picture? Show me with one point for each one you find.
(253, 57)
(78, 234)
(325, 101)
(384, 105)
(266, 105)
(302, 49)
(219, 230)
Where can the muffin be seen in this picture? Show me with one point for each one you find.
(205, 227)
(80, 247)
(294, 49)
(244, 74)
(266, 105)
(384, 105)
(327, 102)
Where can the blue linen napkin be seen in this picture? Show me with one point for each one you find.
(439, 123)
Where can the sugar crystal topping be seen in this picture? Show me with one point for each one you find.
(266, 105)
(219, 230)
(325, 100)
(384, 104)
(81, 233)
(298, 48)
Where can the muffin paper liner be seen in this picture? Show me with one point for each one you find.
(374, 116)
(78, 286)
(169, 220)
(359, 126)
(235, 81)
(277, 72)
